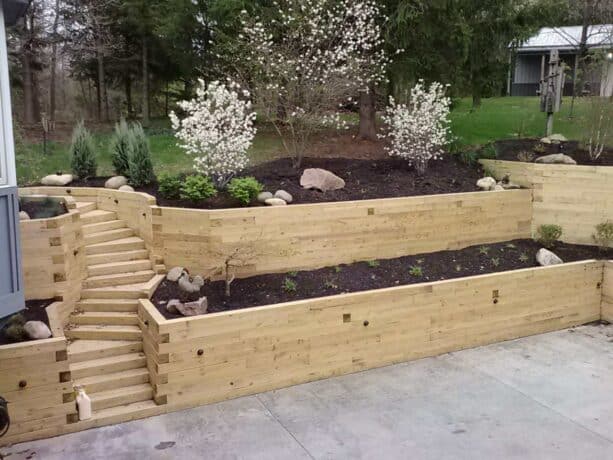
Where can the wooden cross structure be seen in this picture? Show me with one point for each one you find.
(551, 88)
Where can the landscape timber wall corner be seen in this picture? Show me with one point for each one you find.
(200, 360)
(607, 292)
(310, 236)
(575, 197)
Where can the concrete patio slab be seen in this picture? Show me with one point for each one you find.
(541, 397)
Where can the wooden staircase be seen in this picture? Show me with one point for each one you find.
(105, 349)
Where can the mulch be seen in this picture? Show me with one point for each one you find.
(508, 150)
(362, 276)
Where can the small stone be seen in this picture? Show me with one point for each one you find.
(57, 179)
(321, 179)
(508, 185)
(24, 215)
(554, 139)
(263, 196)
(275, 202)
(37, 330)
(171, 306)
(556, 158)
(175, 273)
(284, 196)
(187, 285)
(126, 188)
(498, 188)
(198, 307)
(486, 183)
(116, 182)
(546, 258)
(198, 281)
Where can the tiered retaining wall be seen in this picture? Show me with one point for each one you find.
(607, 292)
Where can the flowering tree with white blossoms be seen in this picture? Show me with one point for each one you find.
(218, 129)
(418, 130)
(307, 59)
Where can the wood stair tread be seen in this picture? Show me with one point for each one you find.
(113, 380)
(121, 244)
(108, 235)
(108, 365)
(118, 279)
(104, 332)
(119, 256)
(80, 350)
(118, 267)
(97, 227)
(105, 317)
(96, 216)
(121, 396)
(107, 305)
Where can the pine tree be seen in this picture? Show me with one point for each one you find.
(120, 148)
(82, 153)
(140, 166)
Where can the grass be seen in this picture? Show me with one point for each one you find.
(498, 118)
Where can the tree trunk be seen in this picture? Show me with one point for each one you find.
(102, 93)
(53, 70)
(128, 88)
(368, 112)
(145, 84)
(28, 89)
(476, 99)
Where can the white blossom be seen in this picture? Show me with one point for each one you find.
(218, 130)
(419, 130)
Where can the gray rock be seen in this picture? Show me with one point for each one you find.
(498, 188)
(175, 273)
(171, 306)
(546, 258)
(486, 183)
(556, 158)
(554, 139)
(37, 330)
(126, 188)
(321, 179)
(116, 182)
(275, 202)
(198, 281)
(263, 196)
(284, 196)
(186, 284)
(198, 307)
(24, 215)
(57, 179)
(508, 185)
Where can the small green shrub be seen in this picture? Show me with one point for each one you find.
(338, 269)
(120, 149)
(523, 257)
(17, 319)
(289, 285)
(169, 186)
(197, 188)
(488, 152)
(244, 189)
(373, 263)
(293, 274)
(416, 271)
(548, 234)
(82, 153)
(140, 167)
(484, 250)
(604, 235)
(15, 333)
(495, 262)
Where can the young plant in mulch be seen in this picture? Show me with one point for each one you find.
(548, 234)
(289, 285)
(604, 235)
(82, 153)
(140, 166)
(245, 189)
(373, 263)
(416, 271)
(169, 186)
(197, 188)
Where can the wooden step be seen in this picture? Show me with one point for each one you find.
(113, 318)
(109, 365)
(85, 206)
(119, 414)
(118, 279)
(107, 305)
(103, 226)
(115, 267)
(121, 396)
(102, 332)
(85, 350)
(123, 244)
(123, 256)
(109, 235)
(98, 215)
(97, 383)
(125, 292)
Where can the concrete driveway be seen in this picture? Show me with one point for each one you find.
(542, 397)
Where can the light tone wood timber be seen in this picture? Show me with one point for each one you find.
(104, 332)
(107, 365)
(115, 267)
(121, 396)
(123, 244)
(575, 197)
(117, 256)
(115, 380)
(84, 206)
(105, 317)
(118, 279)
(108, 305)
(90, 229)
(130, 291)
(86, 350)
(97, 216)
(607, 292)
(108, 235)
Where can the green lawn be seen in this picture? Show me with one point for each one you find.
(498, 118)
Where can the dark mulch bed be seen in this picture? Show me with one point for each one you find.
(42, 209)
(509, 149)
(365, 179)
(361, 276)
(34, 311)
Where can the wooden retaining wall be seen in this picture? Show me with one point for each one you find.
(200, 360)
(575, 197)
(35, 381)
(607, 292)
(266, 240)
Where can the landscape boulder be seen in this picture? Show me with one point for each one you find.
(175, 273)
(486, 183)
(498, 188)
(171, 306)
(282, 194)
(37, 330)
(546, 258)
(126, 188)
(275, 202)
(24, 215)
(57, 179)
(321, 179)
(199, 307)
(115, 182)
(554, 139)
(186, 284)
(198, 280)
(556, 158)
(263, 196)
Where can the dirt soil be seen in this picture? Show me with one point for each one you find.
(362, 276)
(364, 179)
(34, 311)
(509, 149)
(37, 209)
